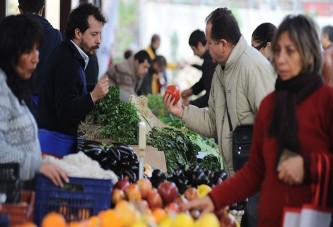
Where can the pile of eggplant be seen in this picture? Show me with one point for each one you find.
(119, 158)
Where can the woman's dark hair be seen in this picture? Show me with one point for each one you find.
(224, 25)
(78, 18)
(18, 35)
(264, 33)
(197, 37)
(303, 33)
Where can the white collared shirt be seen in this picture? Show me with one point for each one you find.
(84, 55)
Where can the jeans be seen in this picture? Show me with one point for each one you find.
(250, 216)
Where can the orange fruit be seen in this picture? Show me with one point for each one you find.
(53, 219)
(94, 221)
(110, 218)
(158, 214)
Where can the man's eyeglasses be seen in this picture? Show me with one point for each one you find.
(260, 46)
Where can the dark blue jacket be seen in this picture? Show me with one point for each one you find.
(51, 39)
(205, 82)
(64, 101)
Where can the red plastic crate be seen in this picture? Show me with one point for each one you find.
(21, 212)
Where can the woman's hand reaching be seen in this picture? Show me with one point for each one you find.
(54, 173)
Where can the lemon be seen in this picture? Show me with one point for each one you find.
(203, 190)
(183, 220)
(165, 222)
(208, 219)
(139, 224)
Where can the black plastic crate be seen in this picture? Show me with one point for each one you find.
(10, 181)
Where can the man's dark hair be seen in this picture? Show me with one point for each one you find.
(31, 6)
(224, 25)
(328, 30)
(154, 38)
(264, 33)
(160, 60)
(141, 56)
(197, 37)
(12, 46)
(78, 18)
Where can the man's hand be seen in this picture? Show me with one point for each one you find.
(186, 93)
(176, 109)
(291, 171)
(101, 89)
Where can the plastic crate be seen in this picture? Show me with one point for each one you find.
(21, 212)
(77, 200)
(4, 220)
(10, 182)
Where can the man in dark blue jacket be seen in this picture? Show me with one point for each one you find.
(51, 39)
(64, 100)
(197, 42)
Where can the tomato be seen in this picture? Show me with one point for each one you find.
(173, 90)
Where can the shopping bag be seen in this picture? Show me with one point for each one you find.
(317, 213)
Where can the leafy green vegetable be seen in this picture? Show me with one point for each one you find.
(210, 162)
(156, 104)
(178, 148)
(118, 120)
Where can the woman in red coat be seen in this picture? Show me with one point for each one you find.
(293, 126)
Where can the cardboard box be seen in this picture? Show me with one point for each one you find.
(153, 157)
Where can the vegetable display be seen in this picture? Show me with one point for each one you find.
(121, 159)
(113, 119)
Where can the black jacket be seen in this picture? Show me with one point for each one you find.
(64, 101)
(51, 39)
(208, 68)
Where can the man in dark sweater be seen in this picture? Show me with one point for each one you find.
(51, 39)
(197, 43)
(64, 101)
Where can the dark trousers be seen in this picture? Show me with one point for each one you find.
(250, 216)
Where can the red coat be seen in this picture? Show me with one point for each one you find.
(315, 119)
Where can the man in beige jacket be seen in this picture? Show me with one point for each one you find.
(242, 78)
(128, 75)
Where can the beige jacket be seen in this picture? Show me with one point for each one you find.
(123, 75)
(248, 77)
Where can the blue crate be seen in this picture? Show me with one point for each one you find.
(4, 220)
(77, 200)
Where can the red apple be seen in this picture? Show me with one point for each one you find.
(154, 199)
(172, 207)
(132, 192)
(145, 186)
(168, 191)
(122, 184)
(117, 195)
(191, 194)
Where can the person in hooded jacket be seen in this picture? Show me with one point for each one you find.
(52, 38)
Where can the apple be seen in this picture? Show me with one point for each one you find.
(145, 186)
(122, 184)
(168, 191)
(154, 199)
(172, 207)
(133, 193)
(191, 194)
(117, 195)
